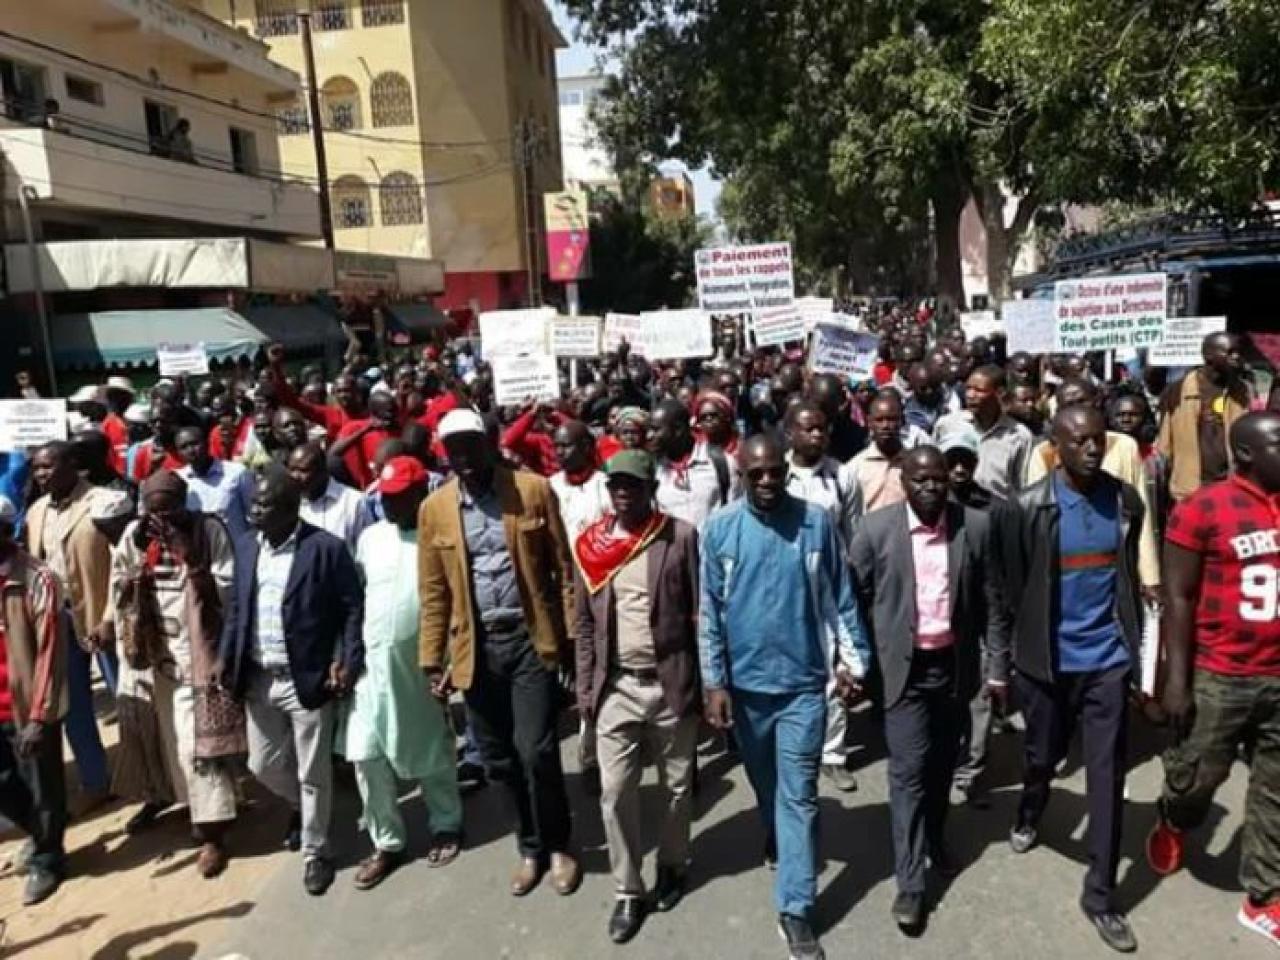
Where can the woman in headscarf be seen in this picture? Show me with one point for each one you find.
(714, 418)
(628, 430)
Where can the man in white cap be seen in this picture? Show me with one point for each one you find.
(496, 589)
(92, 403)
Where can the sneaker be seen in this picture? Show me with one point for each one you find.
(1022, 838)
(841, 777)
(1164, 847)
(1114, 930)
(1264, 920)
(802, 942)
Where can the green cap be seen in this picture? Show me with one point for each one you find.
(631, 463)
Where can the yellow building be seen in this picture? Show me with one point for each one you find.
(434, 110)
(671, 196)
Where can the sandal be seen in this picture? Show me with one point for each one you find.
(444, 849)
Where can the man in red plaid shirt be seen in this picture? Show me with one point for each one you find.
(1222, 639)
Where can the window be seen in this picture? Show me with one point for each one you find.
(86, 91)
(341, 104)
(331, 15)
(400, 200)
(391, 101)
(570, 98)
(24, 89)
(277, 18)
(351, 203)
(244, 152)
(381, 13)
(293, 120)
(162, 120)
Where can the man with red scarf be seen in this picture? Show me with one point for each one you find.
(636, 644)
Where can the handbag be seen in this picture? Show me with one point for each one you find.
(142, 638)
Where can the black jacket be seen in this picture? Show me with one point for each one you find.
(323, 614)
(1025, 546)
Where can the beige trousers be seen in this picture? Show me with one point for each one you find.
(209, 792)
(634, 721)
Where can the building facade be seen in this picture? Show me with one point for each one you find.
(587, 166)
(440, 129)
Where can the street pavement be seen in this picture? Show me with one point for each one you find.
(1001, 905)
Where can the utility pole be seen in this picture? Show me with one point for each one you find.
(524, 147)
(317, 129)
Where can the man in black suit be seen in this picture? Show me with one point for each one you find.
(291, 645)
(921, 569)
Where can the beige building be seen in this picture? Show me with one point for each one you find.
(434, 111)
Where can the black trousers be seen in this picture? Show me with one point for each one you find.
(512, 707)
(1098, 701)
(920, 731)
(33, 794)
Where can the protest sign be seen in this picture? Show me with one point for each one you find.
(31, 423)
(744, 279)
(619, 327)
(676, 334)
(1104, 313)
(182, 359)
(519, 376)
(777, 326)
(845, 353)
(515, 331)
(575, 336)
(980, 323)
(1183, 337)
(1029, 326)
(814, 310)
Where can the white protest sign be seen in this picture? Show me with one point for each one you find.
(519, 376)
(515, 331)
(980, 323)
(1029, 326)
(182, 359)
(1104, 313)
(575, 336)
(619, 327)
(846, 353)
(676, 334)
(777, 326)
(814, 310)
(1183, 337)
(31, 423)
(743, 279)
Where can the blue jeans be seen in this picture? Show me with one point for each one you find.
(81, 723)
(780, 740)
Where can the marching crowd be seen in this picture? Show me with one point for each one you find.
(279, 577)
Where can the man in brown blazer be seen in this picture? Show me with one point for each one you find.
(496, 590)
(636, 639)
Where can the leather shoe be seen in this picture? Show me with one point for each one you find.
(293, 833)
(40, 886)
(1114, 930)
(908, 910)
(211, 860)
(565, 873)
(668, 889)
(317, 875)
(942, 863)
(526, 876)
(376, 868)
(628, 915)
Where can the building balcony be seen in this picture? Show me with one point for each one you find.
(98, 172)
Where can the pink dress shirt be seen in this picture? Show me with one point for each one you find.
(933, 583)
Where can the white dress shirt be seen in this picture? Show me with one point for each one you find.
(341, 511)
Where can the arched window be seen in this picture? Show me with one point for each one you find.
(351, 207)
(391, 101)
(382, 13)
(292, 118)
(277, 18)
(400, 199)
(341, 104)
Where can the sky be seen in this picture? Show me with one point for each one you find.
(579, 59)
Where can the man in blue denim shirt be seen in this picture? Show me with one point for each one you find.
(778, 614)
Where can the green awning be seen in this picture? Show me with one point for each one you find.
(419, 320)
(128, 338)
(297, 326)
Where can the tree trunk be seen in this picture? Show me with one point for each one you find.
(1003, 242)
(948, 204)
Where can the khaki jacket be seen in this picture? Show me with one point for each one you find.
(88, 558)
(1179, 437)
(35, 640)
(543, 566)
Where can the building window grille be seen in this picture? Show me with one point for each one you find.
(341, 104)
(391, 101)
(332, 15)
(351, 206)
(400, 199)
(277, 18)
(381, 13)
(293, 120)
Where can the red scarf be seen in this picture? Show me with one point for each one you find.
(604, 548)
(577, 478)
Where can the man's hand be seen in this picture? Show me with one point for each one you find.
(337, 681)
(848, 688)
(29, 739)
(218, 676)
(275, 354)
(103, 636)
(998, 695)
(719, 709)
(439, 682)
(1179, 705)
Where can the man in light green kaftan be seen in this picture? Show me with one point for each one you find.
(395, 729)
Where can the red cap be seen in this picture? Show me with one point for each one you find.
(401, 474)
(431, 352)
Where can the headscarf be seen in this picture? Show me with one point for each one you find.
(167, 482)
(725, 406)
(625, 415)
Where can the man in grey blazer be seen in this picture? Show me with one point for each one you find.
(921, 569)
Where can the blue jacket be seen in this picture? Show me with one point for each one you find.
(14, 470)
(777, 600)
(323, 614)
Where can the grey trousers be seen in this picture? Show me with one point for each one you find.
(290, 751)
(633, 714)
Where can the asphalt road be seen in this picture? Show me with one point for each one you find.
(1001, 905)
